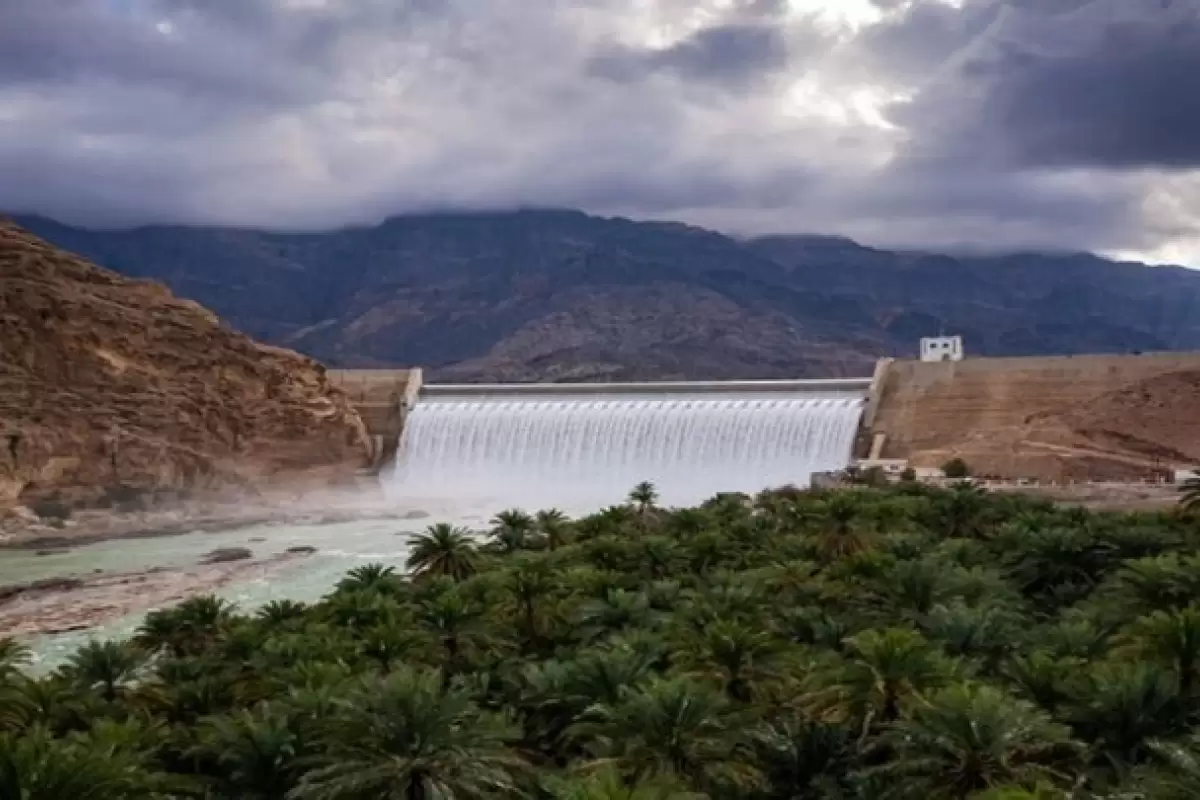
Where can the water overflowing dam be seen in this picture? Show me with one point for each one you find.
(581, 446)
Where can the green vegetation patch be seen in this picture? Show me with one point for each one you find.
(868, 643)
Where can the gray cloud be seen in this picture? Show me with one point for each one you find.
(1060, 123)
(1129, 102)
(1095, 84)
(731, 54)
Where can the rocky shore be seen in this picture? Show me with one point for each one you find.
(28, 532)
(60, 605)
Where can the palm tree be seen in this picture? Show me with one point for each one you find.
(109, 666)
(15, 705)
(454, 621)
(618, 609)
(389, 642)
(1153, 583)
(1122, 707)
(1043, 677)
(1190, 494)
(970, 737)
(553, 525)
(741, 657)
(36, 765)
(278, 613)
(807, 760)
(13, 656)
(843, 530)
(607, 784)
(881, 671)
(1170, 637)
(257, 752)
(443, 551)
(1175, 774)
(643, 497)
(186, 628)
(672, 729)
(528, 582)
(409, 735)
(1040, 792)
(368, 577)
(1058, 564)
(511, 531)
(959, 511)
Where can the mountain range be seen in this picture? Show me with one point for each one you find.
(561, 295)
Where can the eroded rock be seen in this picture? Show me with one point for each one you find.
(118, 394)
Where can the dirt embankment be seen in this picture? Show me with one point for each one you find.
(1117, 418)
(115, 392)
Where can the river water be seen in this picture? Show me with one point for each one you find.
(339, 547)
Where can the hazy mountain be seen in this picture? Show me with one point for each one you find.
(552, 295)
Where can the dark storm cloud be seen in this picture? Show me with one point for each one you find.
(1094, 85)
(1130, 101)
(733, 54)
(750, 116)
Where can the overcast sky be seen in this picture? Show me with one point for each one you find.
(916, 123)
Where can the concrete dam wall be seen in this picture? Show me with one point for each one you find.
(1098, 417)
(585, 445)
(1094, 417)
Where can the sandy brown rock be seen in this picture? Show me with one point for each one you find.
(112, 388)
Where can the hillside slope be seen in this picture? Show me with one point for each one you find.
(114, 387)
(555, 295)
(1056, 418)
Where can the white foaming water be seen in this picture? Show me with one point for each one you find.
(582, 452)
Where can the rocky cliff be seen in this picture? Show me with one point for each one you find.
(113, 389)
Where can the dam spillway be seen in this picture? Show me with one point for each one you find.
(582, 446)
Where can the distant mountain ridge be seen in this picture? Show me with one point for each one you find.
(561, 295)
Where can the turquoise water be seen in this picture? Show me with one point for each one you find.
(340, 547)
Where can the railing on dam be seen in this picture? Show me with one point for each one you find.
(841, 386)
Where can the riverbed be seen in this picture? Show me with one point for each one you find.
(320, 554)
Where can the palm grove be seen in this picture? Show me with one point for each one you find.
(863, 643)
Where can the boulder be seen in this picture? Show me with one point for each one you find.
(225, 554)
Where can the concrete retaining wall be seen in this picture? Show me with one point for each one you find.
(928, 411)
(382, 398)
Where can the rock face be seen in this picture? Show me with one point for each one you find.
(112, 390)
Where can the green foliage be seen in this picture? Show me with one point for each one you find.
(956, 468)
(891, 643)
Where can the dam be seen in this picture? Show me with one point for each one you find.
(1049, 418)
(582, 446)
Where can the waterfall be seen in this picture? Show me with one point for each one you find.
(582, 452)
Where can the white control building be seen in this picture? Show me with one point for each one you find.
(942, 348)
